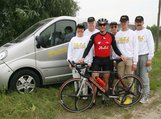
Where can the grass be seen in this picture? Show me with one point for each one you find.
(43, 104)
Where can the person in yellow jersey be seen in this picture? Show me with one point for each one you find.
(146, 53)
(76, 48)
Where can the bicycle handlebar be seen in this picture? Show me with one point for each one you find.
(78, 65)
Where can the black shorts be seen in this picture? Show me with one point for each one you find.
(101, 64)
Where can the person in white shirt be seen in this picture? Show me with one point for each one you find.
(76, 48)
(127, 43)
(146, 53)
(91, 23)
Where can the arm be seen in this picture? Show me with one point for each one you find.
(135, 49)
(90, 44)
(70, 49)
(90, 57)
(150, 43)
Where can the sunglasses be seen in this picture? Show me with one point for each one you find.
(102, 24)
(113, 26)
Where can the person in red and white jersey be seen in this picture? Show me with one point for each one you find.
(102, 43)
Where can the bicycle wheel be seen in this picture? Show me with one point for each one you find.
(129, 89)
(73, 96)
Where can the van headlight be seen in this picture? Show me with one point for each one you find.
(3, 55)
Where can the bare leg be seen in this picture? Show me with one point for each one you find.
(106, 77)
(94, 75)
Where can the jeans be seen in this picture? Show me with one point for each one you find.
(142, 71)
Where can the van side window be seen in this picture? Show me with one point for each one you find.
(66, 30)
(59, 32)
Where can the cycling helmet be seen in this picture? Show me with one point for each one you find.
(102, 21)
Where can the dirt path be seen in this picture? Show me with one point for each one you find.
(152, 110)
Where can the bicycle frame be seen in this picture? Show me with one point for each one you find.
(93, 81)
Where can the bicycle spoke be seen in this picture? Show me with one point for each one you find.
(123, 99)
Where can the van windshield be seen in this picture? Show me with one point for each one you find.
(30, 30)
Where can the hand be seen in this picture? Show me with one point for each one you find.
(148, 63)
(134, 67)
(81, 60)
(89, 65)
(123, 58)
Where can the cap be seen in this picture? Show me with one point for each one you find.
(124, 18)
(91, 19)
(139, 18)
(113, 23)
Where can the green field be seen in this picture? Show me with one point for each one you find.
(44, 104)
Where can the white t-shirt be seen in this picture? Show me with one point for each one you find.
(146, 42)
(76, 48)
(89, 33)
(127, 43)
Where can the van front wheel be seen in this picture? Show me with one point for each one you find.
(24, 81)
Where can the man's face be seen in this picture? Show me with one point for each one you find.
(124, 24)
(91, 26)
(139, 25)
(80, 32)
(102, 27)
(114, 29)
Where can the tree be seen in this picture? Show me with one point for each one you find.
(17, 15)
(154, 30)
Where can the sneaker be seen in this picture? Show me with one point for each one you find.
(144, 100)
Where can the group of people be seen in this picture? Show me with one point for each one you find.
(97, 47)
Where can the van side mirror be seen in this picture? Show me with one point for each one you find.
(40, 42)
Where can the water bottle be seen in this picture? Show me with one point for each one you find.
(100, 82)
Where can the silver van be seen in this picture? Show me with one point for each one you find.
(38, 56)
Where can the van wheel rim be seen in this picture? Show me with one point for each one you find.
(25, 84)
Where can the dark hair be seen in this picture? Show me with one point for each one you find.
(80, 26)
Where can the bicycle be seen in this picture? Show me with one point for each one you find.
(129, 87)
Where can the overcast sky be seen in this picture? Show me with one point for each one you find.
(113, 9)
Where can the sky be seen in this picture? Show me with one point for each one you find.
(113, 9)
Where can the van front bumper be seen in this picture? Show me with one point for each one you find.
(5, 73)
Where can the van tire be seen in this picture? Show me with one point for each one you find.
(24, 81)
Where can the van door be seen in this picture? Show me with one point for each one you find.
(51, 58)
